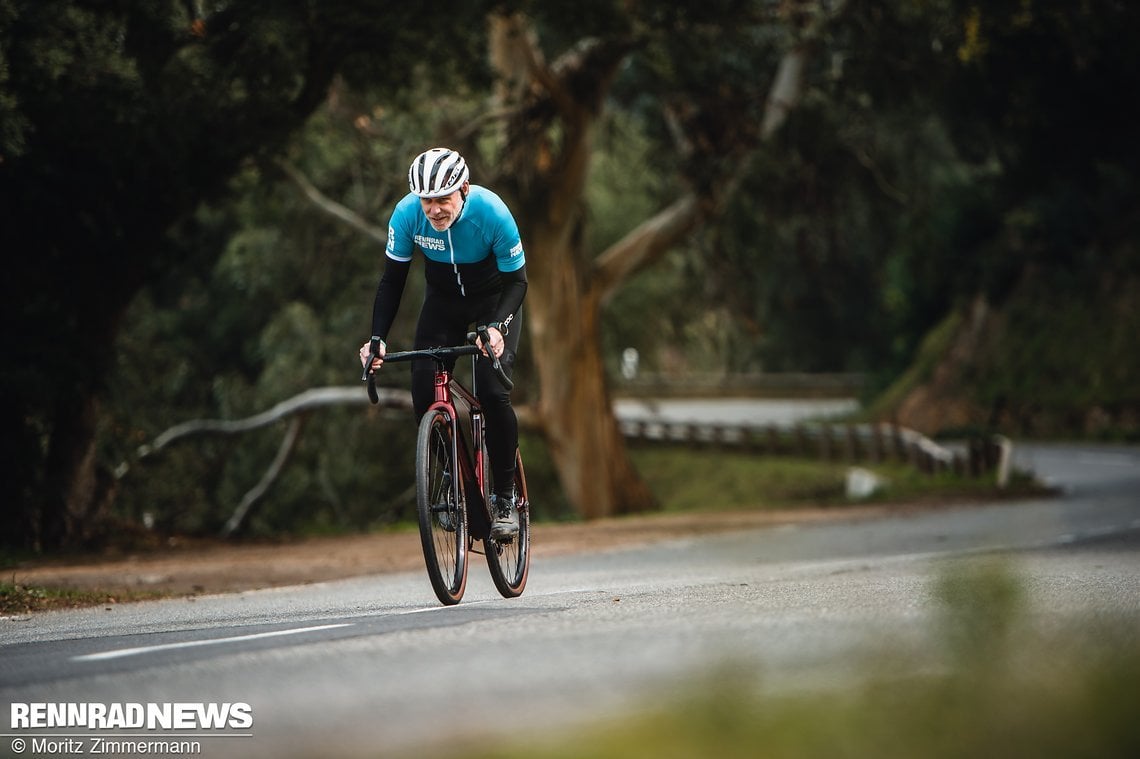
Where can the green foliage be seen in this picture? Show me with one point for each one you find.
(981, 603)
(701, 83)
(641, 315)
(283, 309)
(934, 347)
(1064, 359)
(121, 124)
(933, 162)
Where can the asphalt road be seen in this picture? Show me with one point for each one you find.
(374, 666)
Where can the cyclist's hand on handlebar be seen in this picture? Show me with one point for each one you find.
(496, 341)
(378, 360)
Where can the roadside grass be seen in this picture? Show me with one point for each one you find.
(719, 480)
(998, 688)
(16, 599)
(726, 479)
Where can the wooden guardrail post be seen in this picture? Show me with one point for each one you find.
(851, 450)
(977, 463)
(801, 438)
(825, 441)
(773, 439)
(877, 449)
(898, 446)
(1005, 459)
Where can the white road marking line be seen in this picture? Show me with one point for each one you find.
(124, 652)
(466, 604)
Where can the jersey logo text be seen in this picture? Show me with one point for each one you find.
(430, 243)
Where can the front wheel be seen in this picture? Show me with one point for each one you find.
(441, 506)
(509, 561)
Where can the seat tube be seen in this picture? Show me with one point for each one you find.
(480, 451)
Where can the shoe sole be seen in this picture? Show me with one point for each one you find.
(506, 535)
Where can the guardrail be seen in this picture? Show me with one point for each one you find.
(852, 443)
(758, 385)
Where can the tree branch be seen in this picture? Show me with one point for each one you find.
(645, 244)
(317, 397)
(881, 181)
(787, 89)
(284, 451)
(309, 399)
(649, 241)
(468, 130)
(811, 19)
(331, 207)
(516, 56)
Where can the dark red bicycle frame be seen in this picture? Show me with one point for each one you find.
(445, 392)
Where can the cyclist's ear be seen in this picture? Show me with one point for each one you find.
(463, 191)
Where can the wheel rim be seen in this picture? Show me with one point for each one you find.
(442, 521)
(510, 561)
(511, 555)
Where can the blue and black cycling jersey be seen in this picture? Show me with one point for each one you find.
(479, 254)
(466, 257)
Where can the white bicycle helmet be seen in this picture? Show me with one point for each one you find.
(437, 172)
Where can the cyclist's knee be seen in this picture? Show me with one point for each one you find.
(492, 393)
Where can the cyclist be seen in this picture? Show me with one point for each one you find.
(475, 271)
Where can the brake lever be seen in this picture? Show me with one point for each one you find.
(369, 376)
(496, 365)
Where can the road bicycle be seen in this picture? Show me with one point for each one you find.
(453, 479)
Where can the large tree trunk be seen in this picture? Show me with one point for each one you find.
(574, 405)
(546, 178)
(544, 169)
(77, 489)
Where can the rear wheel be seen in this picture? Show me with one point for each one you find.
(440, 503)
(509, 561)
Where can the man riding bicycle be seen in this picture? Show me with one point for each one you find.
(475, 271)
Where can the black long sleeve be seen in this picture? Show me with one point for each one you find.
(388, 295)
(512, 294)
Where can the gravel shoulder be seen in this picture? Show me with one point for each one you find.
(191, 569)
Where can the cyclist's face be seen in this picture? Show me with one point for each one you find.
(442, 212)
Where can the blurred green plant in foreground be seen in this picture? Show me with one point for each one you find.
(1002, 690)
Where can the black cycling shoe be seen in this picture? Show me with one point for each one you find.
(506, 524)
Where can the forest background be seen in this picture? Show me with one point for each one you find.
(939, 196)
